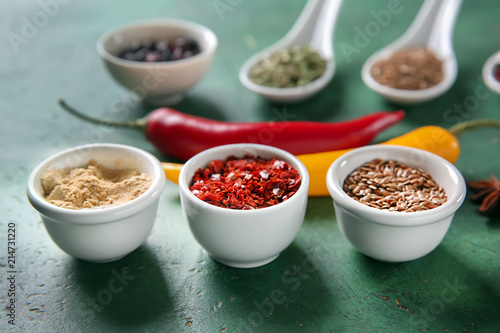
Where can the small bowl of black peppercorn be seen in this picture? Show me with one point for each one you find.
(158, 60)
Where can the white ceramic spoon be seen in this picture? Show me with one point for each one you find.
(432, 28)
(314, 27)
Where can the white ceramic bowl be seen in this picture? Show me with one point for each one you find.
(395, 236)
(106, 234)
(158, 83)
(488, 72)
(243, 238)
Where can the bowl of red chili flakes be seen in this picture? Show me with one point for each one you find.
(244, 203)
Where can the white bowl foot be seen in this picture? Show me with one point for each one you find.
(245, 264)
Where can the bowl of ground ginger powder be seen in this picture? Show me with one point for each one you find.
(97, 202)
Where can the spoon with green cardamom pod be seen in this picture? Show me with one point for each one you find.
(300, 64)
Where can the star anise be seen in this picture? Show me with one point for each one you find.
(488, 193)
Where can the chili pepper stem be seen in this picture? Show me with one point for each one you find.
(465, 126)
(137, 123)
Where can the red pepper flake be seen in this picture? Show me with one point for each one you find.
(246, 183)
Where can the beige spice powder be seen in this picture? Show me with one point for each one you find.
(92, 186)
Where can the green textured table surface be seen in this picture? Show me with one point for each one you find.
(320, 283)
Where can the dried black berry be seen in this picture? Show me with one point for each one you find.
(177, 53)
(187, 54)
(192, 45)
(180, 42)
(155, 51)
(152, 57)
(162, 46)
(165, 55)
(140, 54)
(128, 55)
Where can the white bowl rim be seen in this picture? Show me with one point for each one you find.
(208, 34)
(205, 157)
(98, 215)
(399, 219)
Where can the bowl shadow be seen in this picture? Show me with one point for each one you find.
(128, 292)
(434, 291)
(200, 106)
(446, 110)
(320, 107)
(269, 296)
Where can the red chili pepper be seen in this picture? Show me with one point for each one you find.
(182, 135)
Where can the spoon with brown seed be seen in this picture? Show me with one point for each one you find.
(413, 56)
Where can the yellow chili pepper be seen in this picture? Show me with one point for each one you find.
(172, 171)
(434, 139)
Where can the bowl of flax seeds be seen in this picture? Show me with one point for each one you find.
(394, 203)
